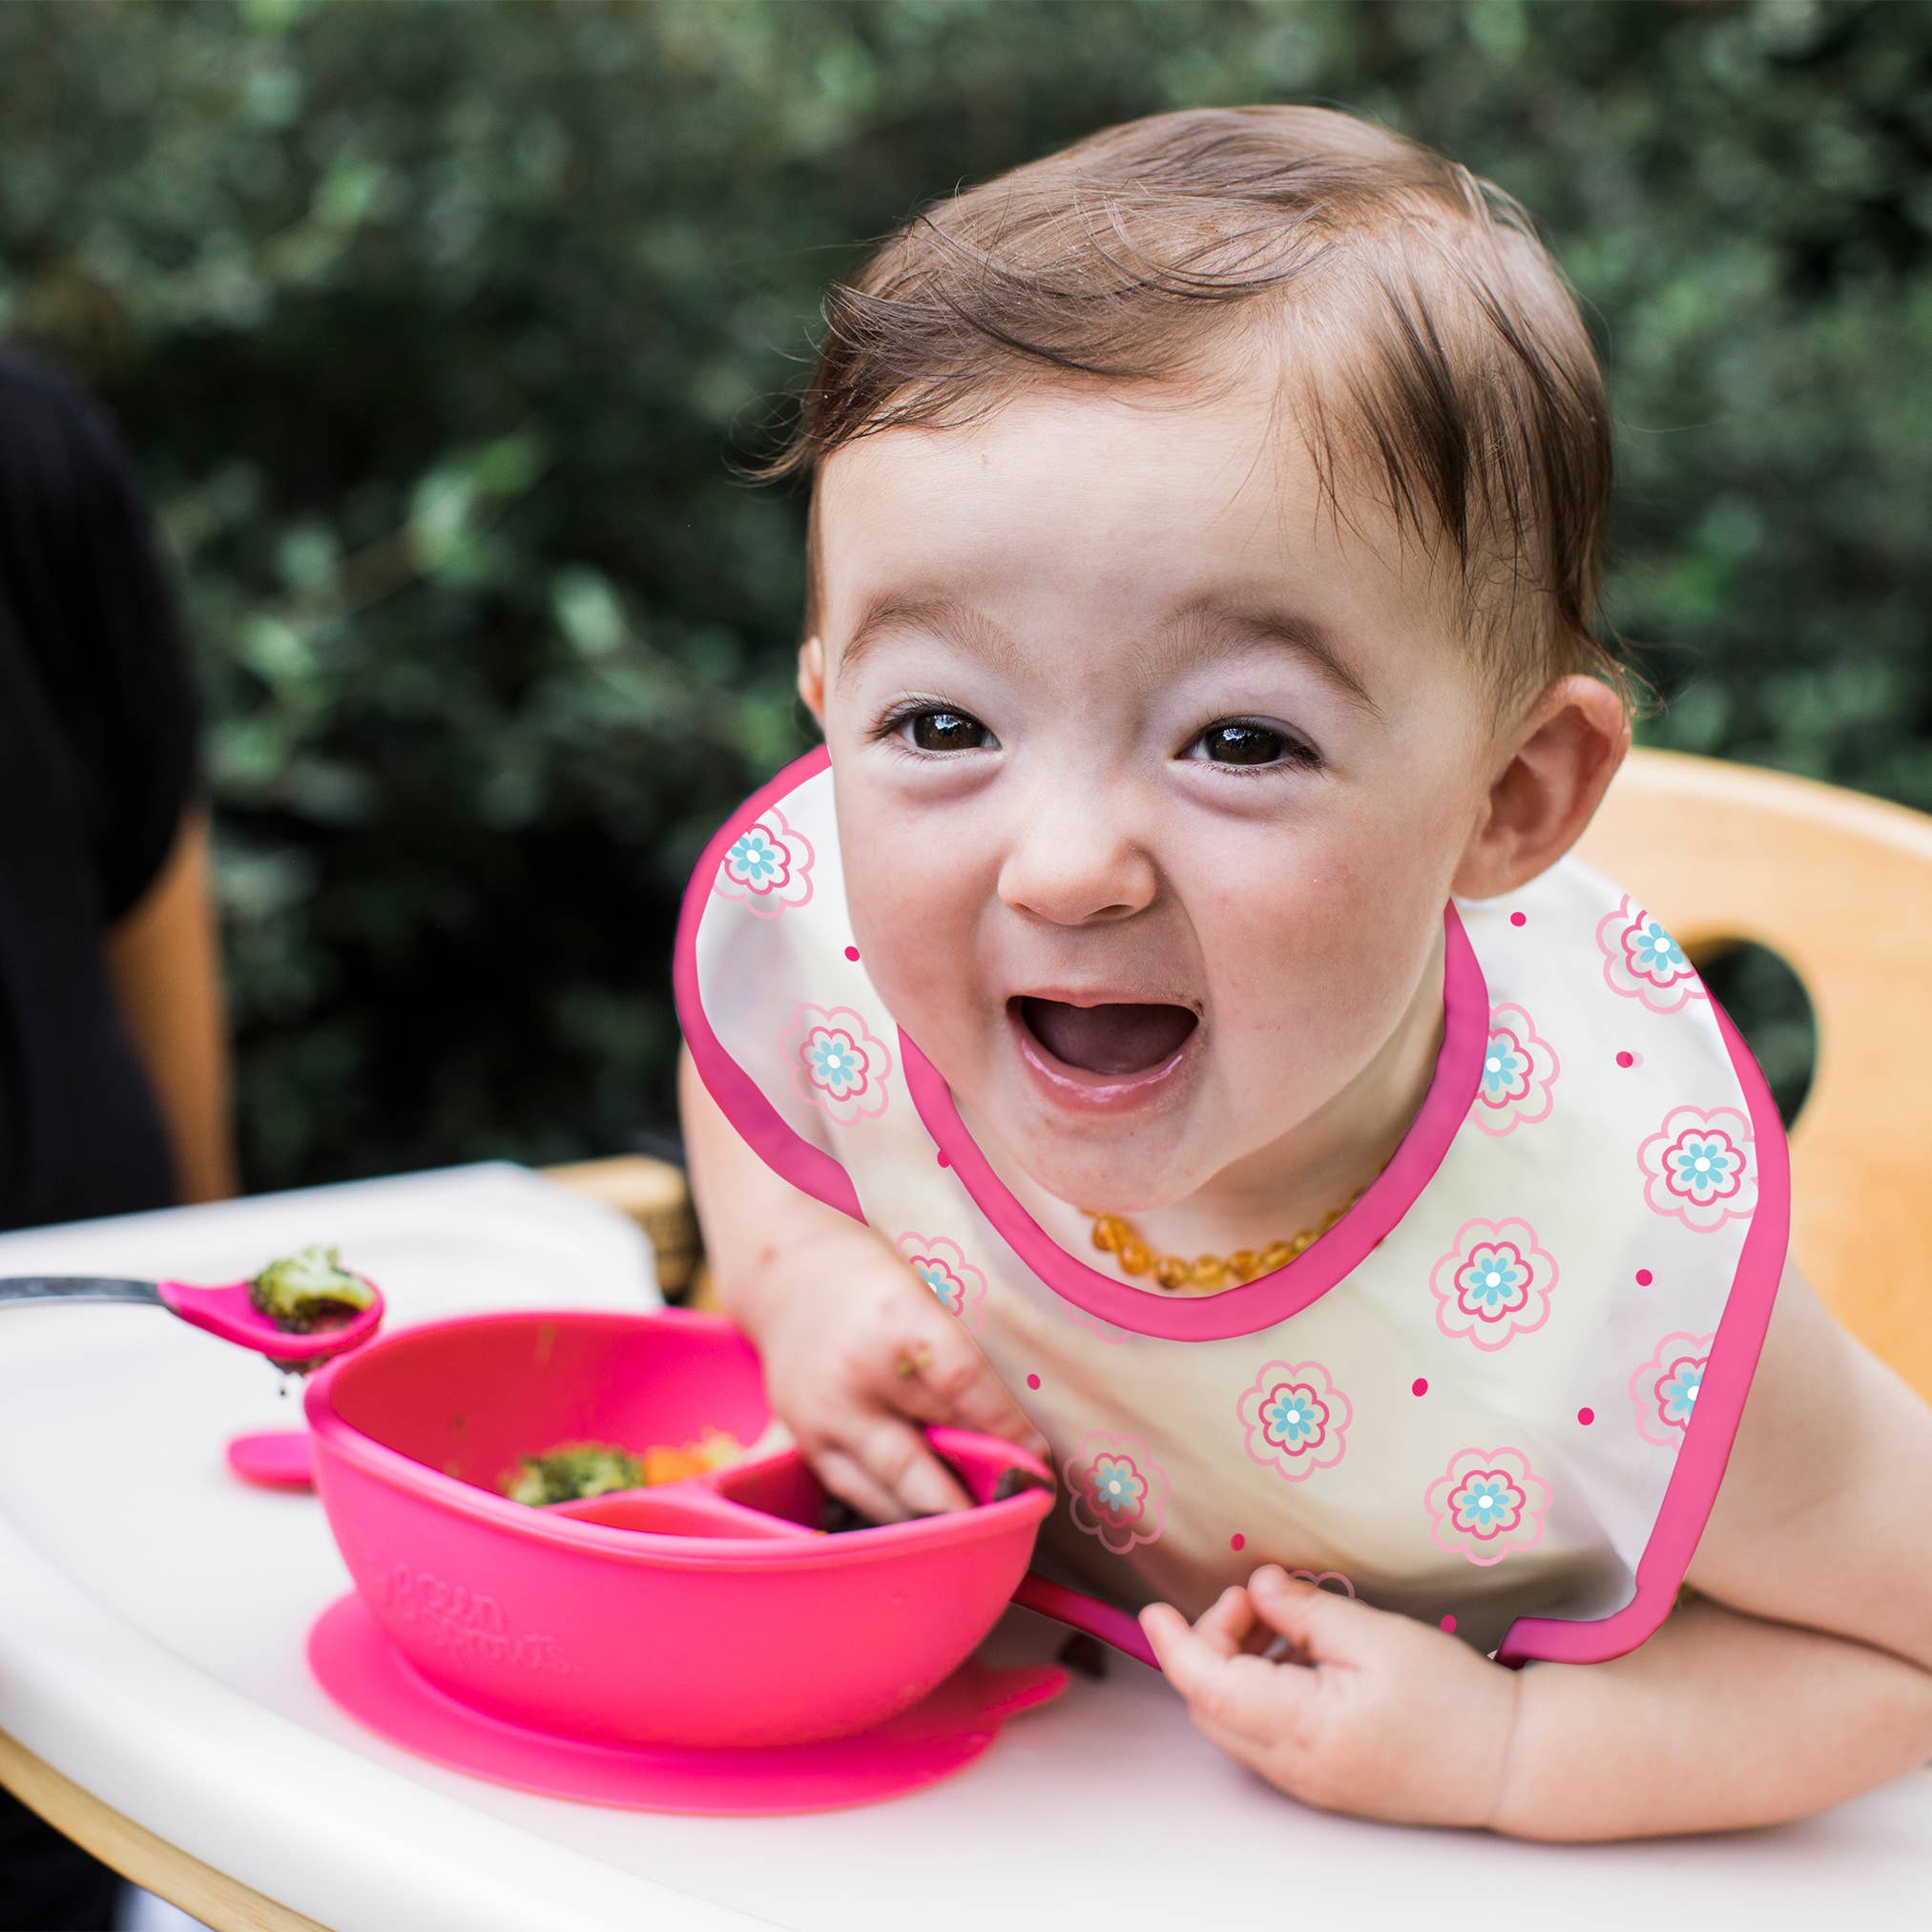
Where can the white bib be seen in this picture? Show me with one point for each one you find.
(1498, 1394)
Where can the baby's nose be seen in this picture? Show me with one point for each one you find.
(1069, 862)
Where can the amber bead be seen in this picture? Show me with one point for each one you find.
(1243, 1264)
(1207, 1271)
(1137, 1257)
(1109, 1232)
(1171, 1271)
(1276, 1255)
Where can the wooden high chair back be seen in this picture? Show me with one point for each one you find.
(1841, 886)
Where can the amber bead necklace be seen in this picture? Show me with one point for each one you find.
(1113, 1234)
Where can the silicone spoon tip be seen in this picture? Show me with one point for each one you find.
(230, 1313)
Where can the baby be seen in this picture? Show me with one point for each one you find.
(1164, 1024)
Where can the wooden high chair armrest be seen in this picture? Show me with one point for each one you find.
(139, 1854)
(657, 1195)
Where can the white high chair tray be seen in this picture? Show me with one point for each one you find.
(154, 1609)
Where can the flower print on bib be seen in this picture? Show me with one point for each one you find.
(1116, 1491)
(767, 867)
(1700, 1167)
(1495, 1282)
(1518, 1081)
(1488, 1502)
(1295, 1420)
(959, 1287)
(1665, 1388)
(837, 1063)
(1497, 1394)
(1642, 961)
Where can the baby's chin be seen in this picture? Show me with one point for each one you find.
(1115, 1190)
(1115, 1184)
(1109, 1166)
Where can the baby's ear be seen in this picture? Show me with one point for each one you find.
(1555, 770)
(812, 677)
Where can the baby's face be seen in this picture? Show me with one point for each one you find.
(1146, 880)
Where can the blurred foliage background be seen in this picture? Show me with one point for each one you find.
(434, 327)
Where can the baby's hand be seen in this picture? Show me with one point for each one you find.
(1371, 1712)
(856, 1355)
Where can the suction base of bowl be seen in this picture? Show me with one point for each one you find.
(359, 1667)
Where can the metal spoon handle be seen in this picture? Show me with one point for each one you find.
(75, 1288)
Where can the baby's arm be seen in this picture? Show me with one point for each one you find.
(1802, 1673)
(857, 1351)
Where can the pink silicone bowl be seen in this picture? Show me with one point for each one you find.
(703, 1638)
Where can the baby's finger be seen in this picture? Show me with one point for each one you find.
(982, 1402)
(1185, 1659)
(1236, 1691)
(1226, 1620)
(846, 1478)
(1313, 1625)
(897, 1456)
(951, 1382)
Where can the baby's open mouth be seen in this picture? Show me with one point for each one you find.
(1107, 1039)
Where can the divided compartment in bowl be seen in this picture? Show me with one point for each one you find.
(782, 1487)
(688, 1508)
(777, 1498)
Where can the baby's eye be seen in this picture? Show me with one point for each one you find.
(1234, 743)
(935, 728)
(944, 731)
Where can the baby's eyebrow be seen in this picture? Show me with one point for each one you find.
(1196, 623)
(945, 617)
(1201, 618)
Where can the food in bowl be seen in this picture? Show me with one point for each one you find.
(574, 1470)
(713, 1449)
(309, 1289)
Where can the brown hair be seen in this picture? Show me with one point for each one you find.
(1469, 390)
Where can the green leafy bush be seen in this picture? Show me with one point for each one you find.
(433, 330)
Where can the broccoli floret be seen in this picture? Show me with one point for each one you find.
(296, 1292)
(575, 1470)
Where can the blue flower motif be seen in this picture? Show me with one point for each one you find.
(836, 1063)
(1293, 1416)
(1116, 1485)
(1677, 1392)
(1494, 1280)
(1505, 1066)
(1488, 1501)
(754, 859)
(940, 1283)
(1655, 953)
(1704, 1163)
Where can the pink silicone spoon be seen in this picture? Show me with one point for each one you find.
(226, 1311)
(273, 1458)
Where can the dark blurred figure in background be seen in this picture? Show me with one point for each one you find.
(113, 1066)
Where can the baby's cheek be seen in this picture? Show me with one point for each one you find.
(914, 931)
(893, 888)
(1295, 956)
(1307, 986)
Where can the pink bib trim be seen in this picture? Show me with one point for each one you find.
(764, 1130)
(1268, 1299)
(1692, 1487)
